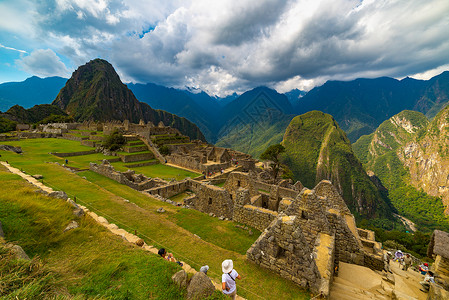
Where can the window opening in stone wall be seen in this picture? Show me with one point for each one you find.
(238, 182)
(304, 215)
(210, 200)
(265, 204)
(281, 253)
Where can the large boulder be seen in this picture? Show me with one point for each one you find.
(200, 287)
(180, 278)
(17, 150)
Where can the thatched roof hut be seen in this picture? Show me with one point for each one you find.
(439, 244)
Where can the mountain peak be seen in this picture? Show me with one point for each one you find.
(95, 92)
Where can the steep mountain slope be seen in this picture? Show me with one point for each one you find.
(427, 158)
(95, 92)
(254, 120)
(30, 92)
(180, 103)
(317, 149)
(402, 154)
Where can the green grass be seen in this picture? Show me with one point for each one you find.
(174, 229)
(158, 170)
(88, 261)
(179, 197)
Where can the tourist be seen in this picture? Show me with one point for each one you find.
(228, 278)
(428, 279)
(204, 269)
(168, 256)
(66, 161)
(398, 256)
(386, 259)
(407, 262)
(424, 268)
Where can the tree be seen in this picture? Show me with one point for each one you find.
(272, 154)
(114, 141)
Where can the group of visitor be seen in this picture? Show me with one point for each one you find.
(405, 261)
(228, 284)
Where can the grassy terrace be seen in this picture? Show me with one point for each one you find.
(174, 229)
(86, 263)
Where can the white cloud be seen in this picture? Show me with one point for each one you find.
(228, 46)
(43, 63)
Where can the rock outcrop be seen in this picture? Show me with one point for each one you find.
(200, 286)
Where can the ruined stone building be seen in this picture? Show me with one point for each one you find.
(305, 233)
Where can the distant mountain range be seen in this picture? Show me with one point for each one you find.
(359, 106)
(30, 92)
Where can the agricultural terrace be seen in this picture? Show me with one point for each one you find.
(192, 236)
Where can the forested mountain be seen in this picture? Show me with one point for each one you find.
(317, 149)
(254, 121)
(95, 92)
(409, 155)
(200, 108)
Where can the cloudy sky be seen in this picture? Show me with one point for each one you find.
(228, 45)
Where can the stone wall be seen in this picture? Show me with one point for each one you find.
(69, 154)
(283, 249)
(253, 216)
(72, 137)
(138, 182)
(170, 189)
(136, 157)
(89, 143)
(185, 161)
(213, 199)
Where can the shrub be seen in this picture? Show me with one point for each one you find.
(114, 141)
(164, 150)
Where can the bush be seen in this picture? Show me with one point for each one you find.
(7, 125)
(114, 141)
(164, 150)
(56, 119)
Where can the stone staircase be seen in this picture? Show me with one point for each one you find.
(361, 283)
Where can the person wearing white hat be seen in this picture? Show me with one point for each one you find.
(228, 278)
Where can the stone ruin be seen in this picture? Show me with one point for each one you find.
(208, 159)
(305, 233)
(135, 181)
